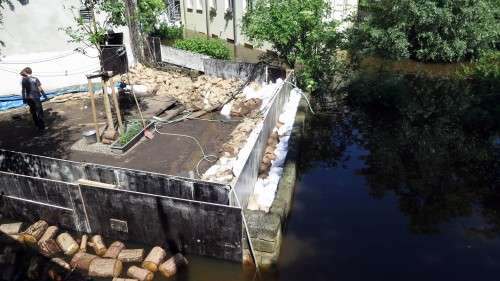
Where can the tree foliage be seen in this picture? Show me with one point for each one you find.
(300, 33)
(427, 30)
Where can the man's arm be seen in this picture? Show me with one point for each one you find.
(39, 85)
(23, 91)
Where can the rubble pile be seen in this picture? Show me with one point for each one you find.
(200, 93)
(92, 256)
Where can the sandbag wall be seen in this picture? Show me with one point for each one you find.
(189, 215)
(244, 184)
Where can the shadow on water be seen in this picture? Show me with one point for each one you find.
(399, 180)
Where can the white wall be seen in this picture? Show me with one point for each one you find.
(32, 37)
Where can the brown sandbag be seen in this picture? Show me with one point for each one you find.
(67, 244)
(100, 267)
(83, 243)
(124, 279)
(61, 263)
(82, 260)
(154, 259)
(11, 228)
(140, 274)
(131, 255)
(50, 233)
(98, 245)
(114, 250)
(170, 267)
(34, 232)
(49, 248)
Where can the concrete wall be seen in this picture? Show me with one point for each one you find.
(183, 58)
(125, 179)
(133, 206)
(213, 67)
(33, 38)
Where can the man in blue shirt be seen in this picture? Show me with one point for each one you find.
(31, 92)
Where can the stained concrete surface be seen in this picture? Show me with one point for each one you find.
(66, 121)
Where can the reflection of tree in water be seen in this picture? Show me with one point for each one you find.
(432, 142)
(326, 137)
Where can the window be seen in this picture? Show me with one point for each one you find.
(189, 5)
(199, 5)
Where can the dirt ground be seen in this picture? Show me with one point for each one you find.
(66, 122)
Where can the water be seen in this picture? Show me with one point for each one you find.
(398, 180)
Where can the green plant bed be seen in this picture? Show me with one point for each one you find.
(168, 33)
(133, 134)
(213, 48)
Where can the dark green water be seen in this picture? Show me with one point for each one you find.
(398, 180)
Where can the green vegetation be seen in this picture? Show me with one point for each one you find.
(214, 48)
(166, 32)
(133, 128)
(300, 35)
(487, 67)
(149, 12)
(426, 30)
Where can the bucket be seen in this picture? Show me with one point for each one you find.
(90, 137)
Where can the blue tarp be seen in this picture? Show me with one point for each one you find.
(15, 101)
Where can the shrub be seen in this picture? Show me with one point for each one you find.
(487, 67)
(166, 32)
(211, 47)
(427, 30)
(302, 35)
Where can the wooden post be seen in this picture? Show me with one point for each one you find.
(117, 104)
(110, 131)
(94, 112)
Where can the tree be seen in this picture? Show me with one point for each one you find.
(88, 30)
(427, 30)
(301, 34)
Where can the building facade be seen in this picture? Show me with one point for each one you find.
(33, 36)
(223, 18)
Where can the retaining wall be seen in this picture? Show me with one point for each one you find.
(220, 68)
(183, 214)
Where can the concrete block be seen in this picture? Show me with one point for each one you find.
(263, 226)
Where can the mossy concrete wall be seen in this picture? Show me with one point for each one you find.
(266, 229)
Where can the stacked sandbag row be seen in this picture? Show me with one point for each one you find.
(104, 262)
(223, 169)
(269, 154)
